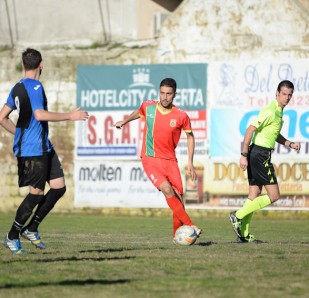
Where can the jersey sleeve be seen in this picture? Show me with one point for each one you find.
(142, 109)
(10, 101)
(35, 93)
(186, 123)
(263, 119)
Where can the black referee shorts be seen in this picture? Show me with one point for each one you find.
(35, 171)
(260, 169)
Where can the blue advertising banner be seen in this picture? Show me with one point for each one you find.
(228, 127)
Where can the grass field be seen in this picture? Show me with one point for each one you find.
(123, 256)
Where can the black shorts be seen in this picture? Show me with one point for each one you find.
(260, 169)
(35, 171)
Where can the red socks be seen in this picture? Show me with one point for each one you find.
(180, 216)
(177, 223)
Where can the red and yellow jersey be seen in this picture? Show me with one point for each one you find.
(162, 129)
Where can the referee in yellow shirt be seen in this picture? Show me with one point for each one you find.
(264, 132)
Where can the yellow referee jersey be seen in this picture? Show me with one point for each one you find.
(268, 125)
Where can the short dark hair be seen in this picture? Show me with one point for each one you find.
(31, 59)
(285, 83)
(169, 82)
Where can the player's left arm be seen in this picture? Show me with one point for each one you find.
(283, 141)
(191, 147)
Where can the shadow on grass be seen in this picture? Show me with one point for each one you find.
(67, 283)
(70, 259)
(100, 259)
(107, 250)
(206, 243)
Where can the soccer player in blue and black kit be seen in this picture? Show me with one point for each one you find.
(37, 160)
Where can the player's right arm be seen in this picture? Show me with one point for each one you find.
(133, 116)
(5, 121)
(245, 146)
(36, 94)
(191, 147)
(75, 115)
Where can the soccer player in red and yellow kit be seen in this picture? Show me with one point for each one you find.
(163, 125)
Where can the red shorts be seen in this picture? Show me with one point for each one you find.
(159, 170)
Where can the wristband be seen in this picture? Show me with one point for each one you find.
(291, 143)
(245, 154)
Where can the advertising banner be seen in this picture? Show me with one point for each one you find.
(114, 184)
(108, 171)
(253, 84)
(111, 93)
(237, 91)
(228, 127)
(221, 99)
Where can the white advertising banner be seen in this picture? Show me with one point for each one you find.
(97, 138)
(253, 84)
(114, 184)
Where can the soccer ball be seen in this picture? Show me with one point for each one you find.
(185, 235)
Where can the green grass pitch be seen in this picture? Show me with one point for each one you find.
(133, 256)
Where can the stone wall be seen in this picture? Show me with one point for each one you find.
(59, 80)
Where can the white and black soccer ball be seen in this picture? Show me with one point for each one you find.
(185, 235)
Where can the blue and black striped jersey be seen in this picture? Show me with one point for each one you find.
(31, 136)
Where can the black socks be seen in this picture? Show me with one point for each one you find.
(23, 213)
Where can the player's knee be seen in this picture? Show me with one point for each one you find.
(274, 197)
(167, 191)
(57, 193)
(166, 188)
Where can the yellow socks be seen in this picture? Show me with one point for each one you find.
(257, 204)
(246, 220)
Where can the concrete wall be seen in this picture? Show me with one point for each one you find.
(198, 31)
(76, 22)
(217, 29)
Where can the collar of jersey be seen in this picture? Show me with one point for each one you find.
(164, 112)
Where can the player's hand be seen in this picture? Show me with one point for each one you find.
(295, 146)
(118, 124)
(191, 172)
(243, 163)
(78, 114)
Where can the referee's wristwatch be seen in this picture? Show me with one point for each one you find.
(245, 154)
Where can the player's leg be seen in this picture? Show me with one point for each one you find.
(245, 213)
(254, 193)
(176, 221)
(245, 222)
(30, 172)
(50, 199)
(258, 203)
(157, 172)
(269, 181)
(175, 203)
(174, 178)
(176, 224)
(23, 213)
(242, 218)
(180, 215)
(260, 172)
(57, 190)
